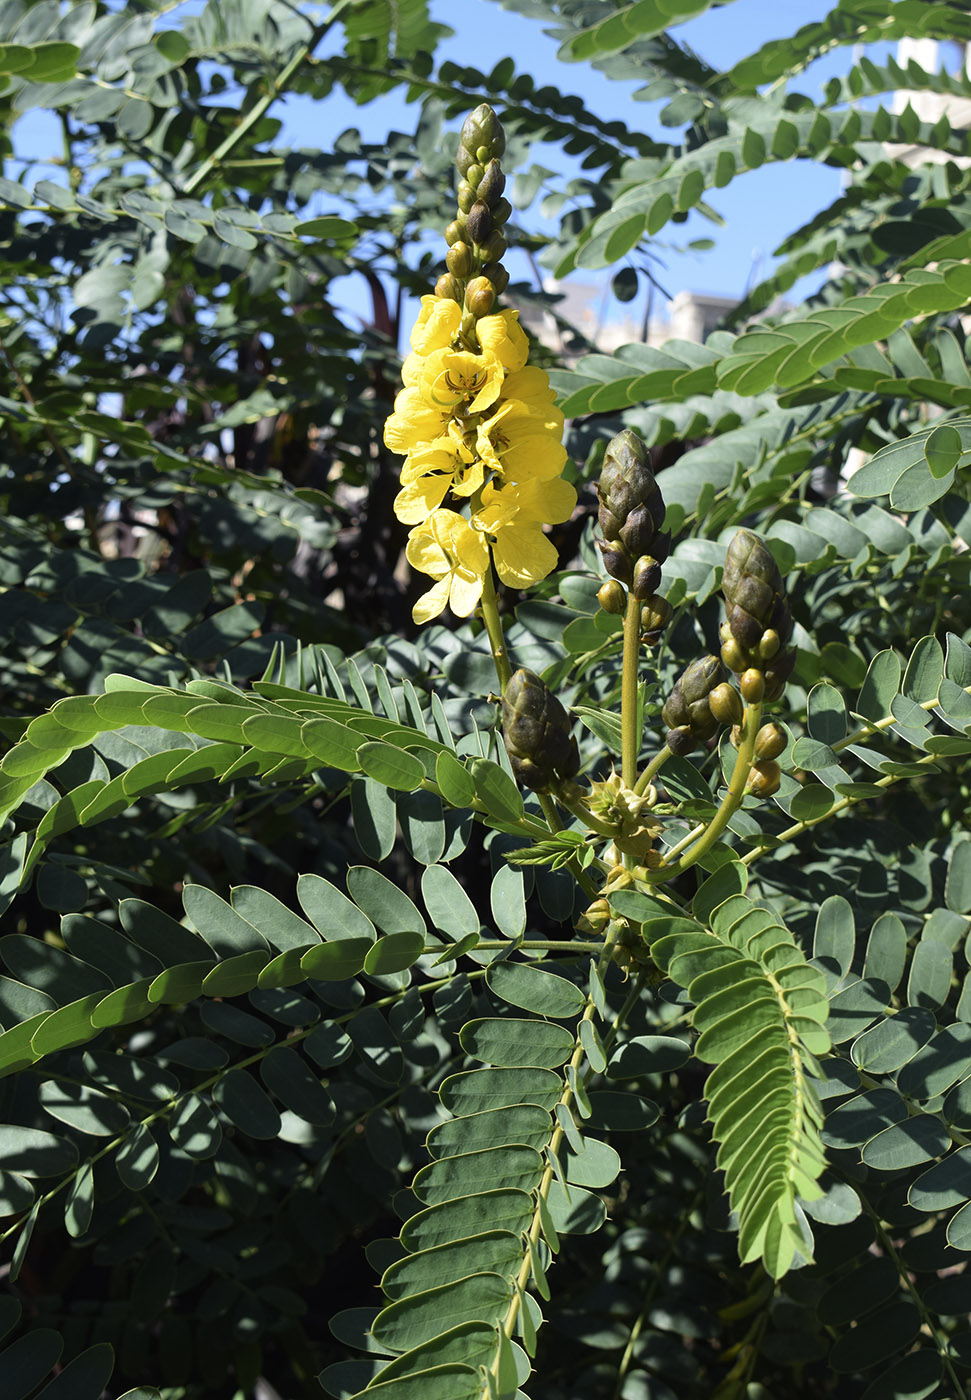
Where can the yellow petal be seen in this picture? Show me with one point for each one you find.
(468, 479)
(425, 554)
(423, 460)
(464, 594)
(465, 545)
(437, 323)
(544, 502)
(523, 555)
(501, 335)
(413, 423)
(531, 385)
(411, 370)
(432, 603)
(538, 456)
(415, 502)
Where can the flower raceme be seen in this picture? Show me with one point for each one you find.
(476, 424)
(477, 427)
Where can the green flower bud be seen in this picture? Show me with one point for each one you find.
(688, 708)
(478, 223)
(500, 211)
(536, 732)
(655, 616)
(680, 740)
(497, 275)
(479, 296)
(459, 259)
(491, 184)
(752, 686)
(725, 704)
(769, 742)
(777, 673)
(455, 231)
(764, 779)
(493, 248)
(631, 508)
(449, 287)
(769, 644)
(474, 175)
(482, 134)
(647, 578)
(611, 596)
(733, 656)
(466, 196)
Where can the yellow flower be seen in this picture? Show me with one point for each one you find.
(522, 443)
(428, 475)
(450, 551)
(501, 335)
(514, 515)
(451, 377)
(531, 502)
(415, 423)
(437, 324)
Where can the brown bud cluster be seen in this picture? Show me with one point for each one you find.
(758, 621)
(630, 515)
(475, 238)
(687, 711)
(536, 733)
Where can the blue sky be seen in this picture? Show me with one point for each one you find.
(759, 208)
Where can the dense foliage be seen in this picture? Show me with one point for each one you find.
(272, 1028)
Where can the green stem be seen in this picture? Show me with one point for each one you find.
(630, 731)
(674, 851)
(792, 832)
(588, 819)
(729, 805)
(542, 945)
(548, 808)
(489, 608)
(652, 769)
(272, 91)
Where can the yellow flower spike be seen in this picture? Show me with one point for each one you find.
(476, 425)
(437, 325)
(501, 335)
(452, 377)
(450, 551)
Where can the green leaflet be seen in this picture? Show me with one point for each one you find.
(235, 723)
(742, 974)
(492, 1177)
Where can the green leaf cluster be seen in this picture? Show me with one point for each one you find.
(293, 1000)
